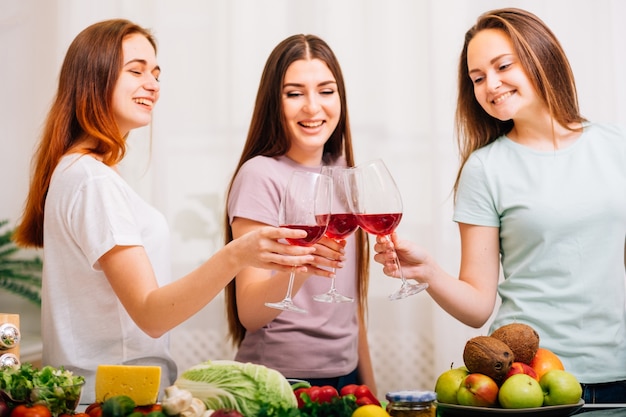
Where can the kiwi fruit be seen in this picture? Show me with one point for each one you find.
(522, 339)
(488, 355)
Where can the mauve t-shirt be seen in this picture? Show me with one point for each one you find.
(323, 342)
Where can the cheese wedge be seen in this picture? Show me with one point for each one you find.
(141, 383)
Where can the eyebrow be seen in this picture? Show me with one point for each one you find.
(143, 62)
(495, 59)
(322, 84)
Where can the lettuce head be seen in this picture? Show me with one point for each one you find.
(245, 387)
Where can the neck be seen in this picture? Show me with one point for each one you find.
(544, 135)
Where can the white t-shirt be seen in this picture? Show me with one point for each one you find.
(90, 209)
(323, 342)
(562, 220)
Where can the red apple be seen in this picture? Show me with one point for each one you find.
(478, 390)
(545, 360)
(521, 368)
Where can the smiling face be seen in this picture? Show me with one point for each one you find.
(312, 107)
(501, 86)
(137, 88)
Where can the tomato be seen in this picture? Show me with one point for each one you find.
(298, 393)
(327, 393)
(94, 410)
(146, 409)
(80, 415)
(348, 389)
(37, 410)
(314, 393)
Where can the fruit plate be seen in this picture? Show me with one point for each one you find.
(445, 410)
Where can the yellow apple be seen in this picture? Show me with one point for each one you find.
(448, 384)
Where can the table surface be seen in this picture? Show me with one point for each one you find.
(610, 412)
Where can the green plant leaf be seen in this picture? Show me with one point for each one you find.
(19, 275)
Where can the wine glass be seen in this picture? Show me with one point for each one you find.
(377, 204)
(341, 224)
(305, 206)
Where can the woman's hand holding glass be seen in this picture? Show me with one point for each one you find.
(376, 201)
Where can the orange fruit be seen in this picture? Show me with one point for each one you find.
(545, 360)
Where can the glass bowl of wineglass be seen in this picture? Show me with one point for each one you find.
(341, 224)
(306, 206)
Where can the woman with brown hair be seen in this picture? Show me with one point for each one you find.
(107, 295)
(540, 190)
(299, 123)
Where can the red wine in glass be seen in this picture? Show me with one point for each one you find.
(341, 225)
(379, 224)
(314, 233)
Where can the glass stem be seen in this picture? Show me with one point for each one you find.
(332, 282)
(292, 276)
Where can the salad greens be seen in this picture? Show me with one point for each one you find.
(57, 388)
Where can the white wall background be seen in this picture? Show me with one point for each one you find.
(399, 59)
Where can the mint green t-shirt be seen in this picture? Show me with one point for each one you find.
(562, 220)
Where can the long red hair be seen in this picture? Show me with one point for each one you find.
(81, 110)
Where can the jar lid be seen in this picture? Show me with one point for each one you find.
(411, 396)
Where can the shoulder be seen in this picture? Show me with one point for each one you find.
(79, 170)
(608, 131)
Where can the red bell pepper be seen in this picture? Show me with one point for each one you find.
(362, 394)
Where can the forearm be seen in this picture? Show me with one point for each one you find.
(168, 306)
(461, 300)
(255, 287)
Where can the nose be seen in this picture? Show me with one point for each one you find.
(311, 104)
(493, 82)
(152, 85)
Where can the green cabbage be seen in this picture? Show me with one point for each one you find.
(245, 387)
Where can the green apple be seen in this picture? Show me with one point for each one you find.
(448, 384)
(560, 388)
(478, 390)
(520, 391)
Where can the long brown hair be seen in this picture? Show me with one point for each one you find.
(268, 135)
(81, 109)
(543, 60)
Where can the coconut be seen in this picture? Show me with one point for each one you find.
(522, 339)
(488, 355)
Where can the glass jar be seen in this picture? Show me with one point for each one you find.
(411, 403)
